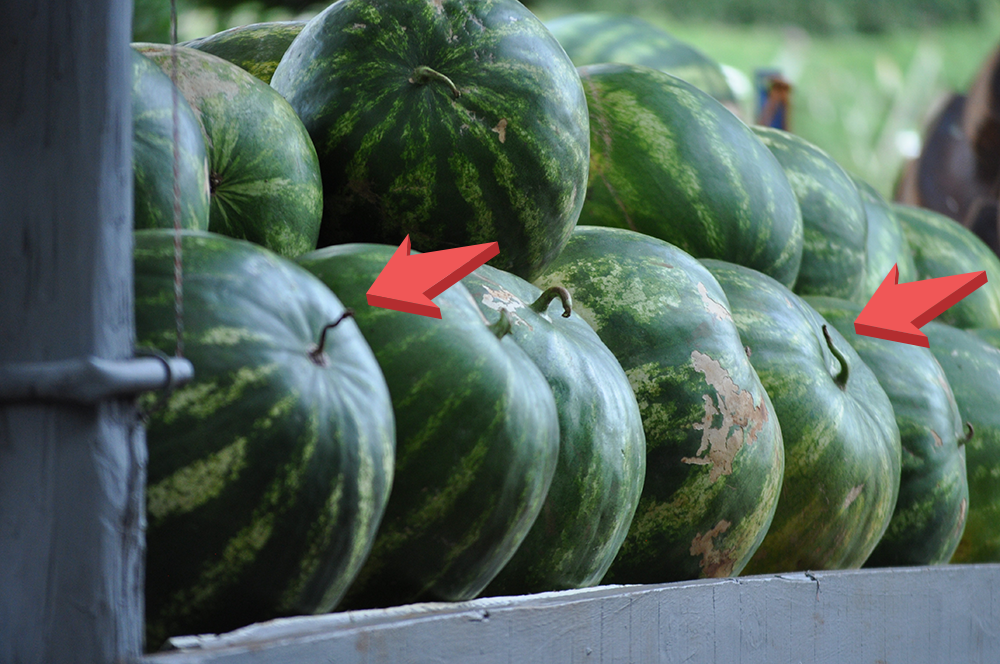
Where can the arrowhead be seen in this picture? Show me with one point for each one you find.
(896, 311)
(408, 282)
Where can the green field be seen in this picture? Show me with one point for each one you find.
(863, 98)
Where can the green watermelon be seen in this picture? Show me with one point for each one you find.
(263, 173)
(268, 474)
(257, 48)
(669, 161)
(455, 122)
(886, 245)
(477, 436)
(929, 518)
(592, 38)
(973, 370)
(153, 152)
(835, 225)
(713, 445)
(602, 448)
(842, 446)
(941, 248)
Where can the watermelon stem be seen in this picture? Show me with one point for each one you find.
(316, 352)
(423, 75)
(503, 326)
(969, 435)
(841, 378)
(540, 305)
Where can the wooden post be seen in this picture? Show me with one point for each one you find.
(71, 476)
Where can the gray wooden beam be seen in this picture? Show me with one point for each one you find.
(940, 615)
(71, 476)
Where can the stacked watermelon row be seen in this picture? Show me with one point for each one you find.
(656, 379)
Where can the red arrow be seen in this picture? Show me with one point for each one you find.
(409, 282)
(896, 311)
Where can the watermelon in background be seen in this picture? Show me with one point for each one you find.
(973, 370)
(602, 448)
(930, 513)
(714, 455)
(257, 48)
(669, 161)
(941, 248)
(153, 152)
(477, 439)
(834, 221)
(268, 474)
(264, 178)
(842, 446)
(455, 122)
(887, 244)
(598, 37)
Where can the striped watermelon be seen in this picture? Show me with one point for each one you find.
(842, 447)
(835, 225)
(886, 245)
(455, 122)
(263, 174)
(929, 518)
(973, 369)
(942, 247)
(268, 474)
(713, 445)
(602, 448)
(257, 48)
(597, 37)
(669, 161)
(153, 152)
(477, 439)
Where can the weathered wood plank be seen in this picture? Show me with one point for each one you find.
(890, 616)
(71, 477)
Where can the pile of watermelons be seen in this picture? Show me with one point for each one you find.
(656, 379)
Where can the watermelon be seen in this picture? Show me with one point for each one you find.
(268, 473)
(455, 122)
(602, 448)
(592, 38)
(477, 436)
(714, 455)
(669, 161)
(886, 245)
(256, 48)
(941, 248)
(153, 152)
(842, 445)
(929, 518)
(263, 173)
(973, 370)
(835, 225)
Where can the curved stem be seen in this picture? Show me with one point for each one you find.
(423, 75)
(503, 326)
(540, 305)
(969, 435)
(316, 352)
(840, 378)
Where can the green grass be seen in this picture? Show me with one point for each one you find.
(853, 93)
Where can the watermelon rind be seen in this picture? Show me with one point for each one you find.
(257, 47)
(477, 439)
(842, 445)
(714, 455)
(602, 447)
(269, 472)
(973, 370)
(454, 122)
(153, 149)
(886, 246)
(933, 502)
(669, 161)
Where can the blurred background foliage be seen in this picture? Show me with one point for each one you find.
(866, 74)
